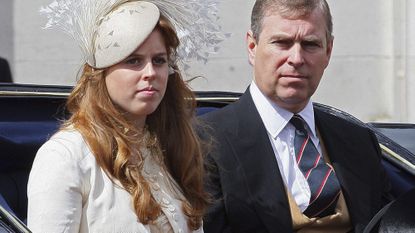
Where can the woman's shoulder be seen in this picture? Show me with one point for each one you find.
(66, 143)
(67, 134)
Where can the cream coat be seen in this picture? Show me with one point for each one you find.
(69, 192)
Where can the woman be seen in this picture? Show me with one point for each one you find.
(128, 159)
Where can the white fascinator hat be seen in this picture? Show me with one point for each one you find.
(122, 31)
(108, 31)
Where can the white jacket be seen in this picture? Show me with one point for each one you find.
(69, 192)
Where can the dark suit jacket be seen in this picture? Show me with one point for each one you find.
(5, 74)
(244, 178)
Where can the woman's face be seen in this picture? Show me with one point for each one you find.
(137, 84)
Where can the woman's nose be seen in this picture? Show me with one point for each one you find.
(149, 71)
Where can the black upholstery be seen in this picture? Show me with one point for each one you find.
(397, 216)
(25, 124)
(13, 189)
(5, 73)
(400, 217)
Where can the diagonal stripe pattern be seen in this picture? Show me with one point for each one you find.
(324, 186)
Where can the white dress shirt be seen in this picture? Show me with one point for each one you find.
(69, 192)
(281, 135)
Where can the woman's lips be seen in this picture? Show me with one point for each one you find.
(148, 91)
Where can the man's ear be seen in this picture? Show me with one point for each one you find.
(251, 46)
(329, 49)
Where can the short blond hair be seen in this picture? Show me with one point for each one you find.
(288, 8)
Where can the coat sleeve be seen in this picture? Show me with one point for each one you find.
(54, 190)
(216, 219)
(386, 184)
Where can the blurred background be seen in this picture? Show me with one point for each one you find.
(371, 74)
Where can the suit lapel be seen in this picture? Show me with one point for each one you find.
(348, 160)
(253, 149)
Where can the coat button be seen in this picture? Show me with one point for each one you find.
(172, 208)
(165, 201)
(156, 186)
(175, 217)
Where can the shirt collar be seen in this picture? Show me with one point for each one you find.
(276, 118)
(308, 115)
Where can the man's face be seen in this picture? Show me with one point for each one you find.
(289, 58)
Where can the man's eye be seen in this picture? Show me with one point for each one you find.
(282, 43)
(159, 61)
(310, 44)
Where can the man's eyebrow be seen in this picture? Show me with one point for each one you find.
(312, 38)
(280, 37)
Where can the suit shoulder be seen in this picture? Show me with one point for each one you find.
(219, 116)
(340, 121)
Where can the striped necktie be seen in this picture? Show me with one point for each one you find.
(324, 186)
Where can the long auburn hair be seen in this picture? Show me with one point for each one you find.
(113, 139)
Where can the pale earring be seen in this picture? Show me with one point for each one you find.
(171, 70)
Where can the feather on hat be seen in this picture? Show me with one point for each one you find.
(107, 31)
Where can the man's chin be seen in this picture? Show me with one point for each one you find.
(292, 103)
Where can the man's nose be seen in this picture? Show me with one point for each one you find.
(296, 56)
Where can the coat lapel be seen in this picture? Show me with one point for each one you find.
(347, 155)
(263, 179)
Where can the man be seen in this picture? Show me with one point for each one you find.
(5, 74)
(257, 175)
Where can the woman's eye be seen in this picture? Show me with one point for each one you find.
(133, 61)
(159, 61)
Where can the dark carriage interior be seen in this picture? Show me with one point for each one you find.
(28, 121)
(25, 124)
